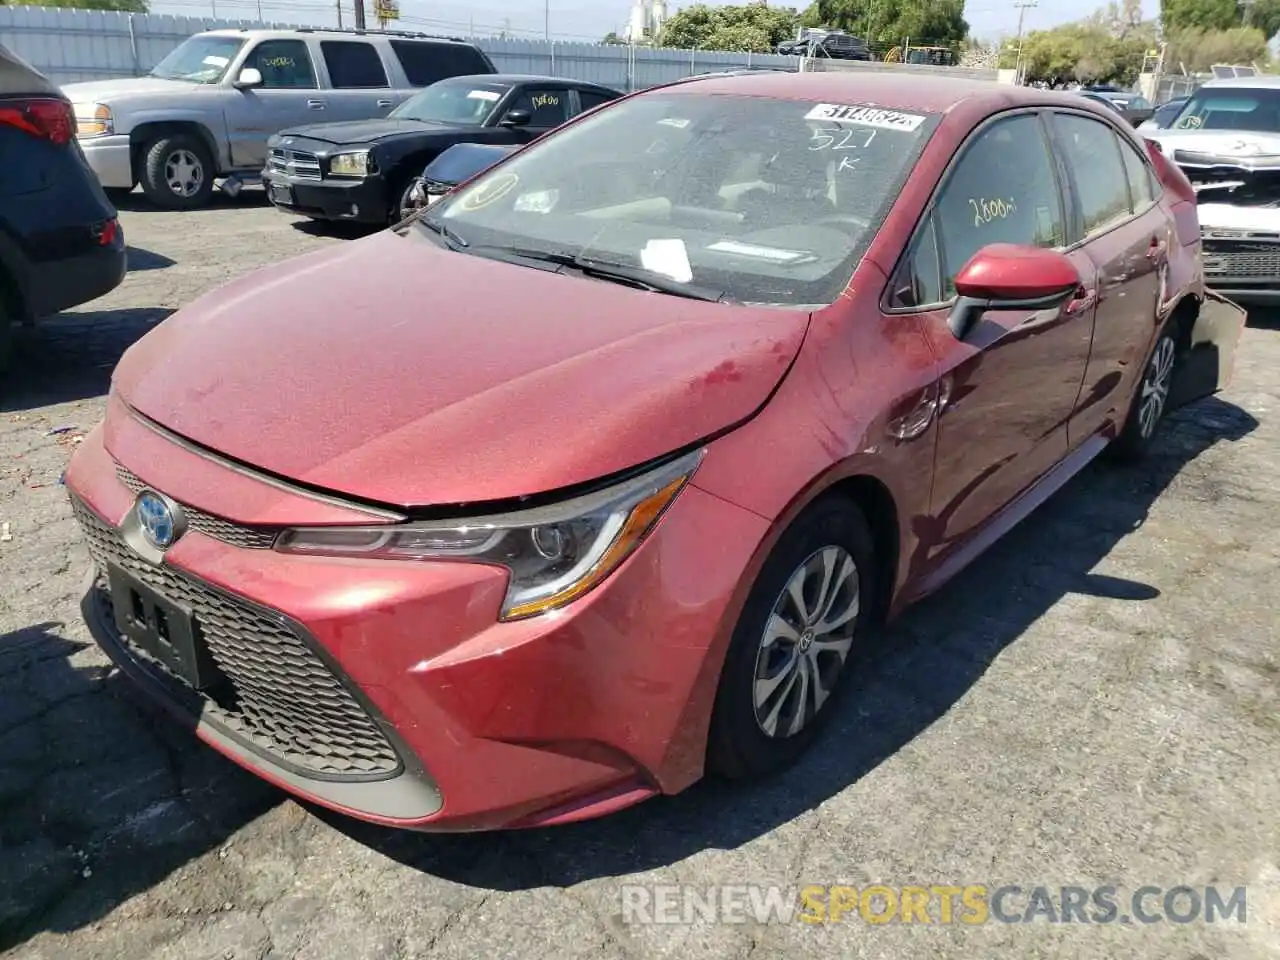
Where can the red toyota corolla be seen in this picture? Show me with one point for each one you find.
(589, 480)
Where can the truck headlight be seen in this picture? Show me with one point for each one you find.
(554, 554)
(93, 120)
(350, 164)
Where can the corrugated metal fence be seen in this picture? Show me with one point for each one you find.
(71, 44)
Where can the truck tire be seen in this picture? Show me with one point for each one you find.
(177, 172)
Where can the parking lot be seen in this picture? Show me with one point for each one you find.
(1093, 702)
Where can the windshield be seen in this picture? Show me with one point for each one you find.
(450, 102)
(201, 59)
(770, 201)
(1231, 108)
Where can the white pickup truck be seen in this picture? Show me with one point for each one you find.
(207, 109)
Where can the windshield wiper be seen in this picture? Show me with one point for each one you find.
(451, 238)
(614, 272)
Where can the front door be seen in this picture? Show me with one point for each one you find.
(547, 106)
(289, 97)
(1007, 390)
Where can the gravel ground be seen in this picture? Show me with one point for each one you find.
(1094, 702)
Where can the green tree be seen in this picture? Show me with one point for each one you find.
(752, 28)
(1198, 50)
(124, 6)
(612, 39)
(889, 22)
(1200, 14)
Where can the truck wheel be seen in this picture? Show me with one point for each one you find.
(177, 172)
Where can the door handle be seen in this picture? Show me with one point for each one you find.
(1157, 248)
(384, 103)
(315, 104)
(1082, 301)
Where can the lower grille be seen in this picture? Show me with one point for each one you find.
(1228, 259)
(278, 698)
(294, 163)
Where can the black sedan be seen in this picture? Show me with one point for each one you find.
(365, 170)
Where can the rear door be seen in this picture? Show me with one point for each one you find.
(426, 61)
(359, 88)
(290, 96)
(1125, 233)
(1008, 389)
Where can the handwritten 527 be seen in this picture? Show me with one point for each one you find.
(840, 138)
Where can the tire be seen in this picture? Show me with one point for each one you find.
(177, 158)
(400, 201)
(1149, 398)
(752, 737)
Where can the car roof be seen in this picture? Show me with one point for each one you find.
(930, 94)
(292, 33)
(1268, 81)
(514, 78)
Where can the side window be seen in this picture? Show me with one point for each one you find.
(1139, 175)
(284, 64)
(592, 99)
(549, 108)
(1093, 152)
(353, 65)
(1002, 190)
(424, 63)
(919, 280)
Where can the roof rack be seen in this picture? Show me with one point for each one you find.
(404, 34)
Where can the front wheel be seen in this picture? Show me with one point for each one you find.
(1149, 400)
(794, 641)
(177, 172)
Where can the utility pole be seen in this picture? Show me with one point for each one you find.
(359, 14)
(1023, 6)
(338, 4)
(546, 21)
(1248, 11)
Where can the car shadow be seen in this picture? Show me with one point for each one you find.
(140, 260)
(923, 664)
(99, 798)
(1265, 318)
(137, 202)
(71, 356)
(339, 229)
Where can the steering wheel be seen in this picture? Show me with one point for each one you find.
(844, 221)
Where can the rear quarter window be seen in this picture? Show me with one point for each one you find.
(425, 62)
(353, 65)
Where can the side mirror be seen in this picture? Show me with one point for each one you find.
(249, 78)
(1005, 276)
(517, 118)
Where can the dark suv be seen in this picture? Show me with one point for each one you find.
(60, 242)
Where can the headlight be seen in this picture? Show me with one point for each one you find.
(554, 554)
(93, 120)
(349, 164)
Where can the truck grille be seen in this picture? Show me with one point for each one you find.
(1233, 258)
(234, 534)
(278, 698)
(294, 163)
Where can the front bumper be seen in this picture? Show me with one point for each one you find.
(359, 201)
(455, 721)
(111, 158)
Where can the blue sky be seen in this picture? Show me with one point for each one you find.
(572, 19)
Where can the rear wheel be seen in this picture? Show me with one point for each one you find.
(794, 642)
(1150, 399)
(177, 172)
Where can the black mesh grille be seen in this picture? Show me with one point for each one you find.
(1234, 258)
(278, 697)
(234, 534)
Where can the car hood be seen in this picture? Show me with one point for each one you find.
(367, 131)
(395, 371)
(1231, 147)
(91, 91)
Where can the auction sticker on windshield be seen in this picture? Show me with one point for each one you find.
(866, 116)
(487, 193)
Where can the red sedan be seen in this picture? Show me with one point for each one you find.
(588, 480)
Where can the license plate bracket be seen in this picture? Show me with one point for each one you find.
(282, 193)
(162, 628)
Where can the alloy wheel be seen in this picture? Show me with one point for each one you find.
(806, 642)
(1155, 386)
(184, 173)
